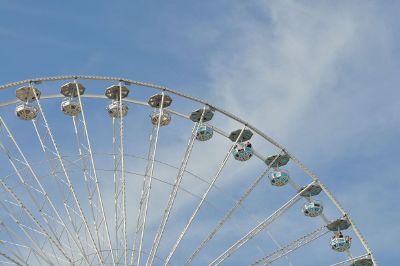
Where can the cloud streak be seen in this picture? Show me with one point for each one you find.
(318, 78)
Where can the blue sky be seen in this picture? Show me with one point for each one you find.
(322, 77)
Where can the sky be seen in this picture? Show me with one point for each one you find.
(320, 77)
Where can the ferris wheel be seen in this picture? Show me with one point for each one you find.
(111, 171)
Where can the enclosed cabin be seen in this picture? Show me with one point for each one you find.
(71, 107)
(165, 118)
(340, 243)
(278, 176)
(243, 150)
(27, 95)
(204, 133)
(200, 116)
(362, 262)
(160, 116)
(72, 92)
(313, 208)
(117, 108)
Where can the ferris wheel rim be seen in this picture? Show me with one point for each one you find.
(213, 107)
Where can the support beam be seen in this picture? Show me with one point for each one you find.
(252, 233)
(174, 191)
(145, 195)
(302, 241)
(229, 214)
(200, 204)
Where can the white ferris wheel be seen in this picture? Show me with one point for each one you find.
(132, 173)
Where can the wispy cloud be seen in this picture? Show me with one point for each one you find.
(319, 78)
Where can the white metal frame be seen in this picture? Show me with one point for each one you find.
(72, 231)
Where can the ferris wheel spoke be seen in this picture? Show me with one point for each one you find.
(199, 197)
(66, 174)
(116, 186)
(10, 258)
(119, 180)
(256, 230)
(40, 191)
(11, 237)
(11, 251)
(36, 247)
(302, 241)
(88, 143)
(221, 167)
(123, 177)
(118, 176)
(228, 215)
(89, 181)
(63, 184)
(42, 230)
(174, 191)
(146, 189)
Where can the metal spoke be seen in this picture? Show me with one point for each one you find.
(10, 259)
(17, 252)
(95, 175)
(252, 233)
(31, 216)
(116, 187)
(121, 141)
(119, 183)
(145, 195)
(231, 211)
(41, 190)
(37, 249)
(182, 234)
(69, 182)
(90, 187)
(68, 179)
(61, 183)
(16, 237)
(199, 196)
(174, 191)
(304, 240)
(11, 251)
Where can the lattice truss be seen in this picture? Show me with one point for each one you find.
(80, 187)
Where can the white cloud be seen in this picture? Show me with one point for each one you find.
(317, 77)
